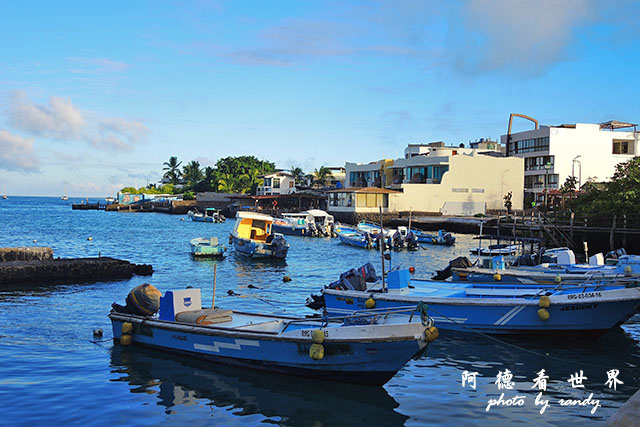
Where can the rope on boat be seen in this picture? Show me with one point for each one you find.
(517, 347)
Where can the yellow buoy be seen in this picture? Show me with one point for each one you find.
(627, 269)
(543, 314)
(127, 328)
(497, 277)
(125, 339)
(89, 238)
(558, 279)
(316, 351)
(370, 303)
(317, 336)
(431, 333)
(544, 302)
(286, 279)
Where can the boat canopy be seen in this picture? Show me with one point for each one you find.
(253, 226)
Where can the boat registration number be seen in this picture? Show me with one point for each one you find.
(585, 295)
(308, 333)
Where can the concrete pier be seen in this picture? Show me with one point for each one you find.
(21, 267)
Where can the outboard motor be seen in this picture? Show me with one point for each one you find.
(369, 240)
(322, 231)
(354, 279)
(280, 246)
(411, 241)
(460, 262)
(313, 230)
(398, 242)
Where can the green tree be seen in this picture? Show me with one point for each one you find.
(172, 170)
(228, 183)
(321, 176)
(298, 174)
(192, 172)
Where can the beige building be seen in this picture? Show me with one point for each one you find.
(440, 180)
(276, 183)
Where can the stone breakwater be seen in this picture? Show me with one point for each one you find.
(26, 254)
(31, 267)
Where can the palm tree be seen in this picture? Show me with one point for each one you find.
(227, 183)
(172, 168)
(250, 180)
(321, 175)
(192, 171)
(298, 175)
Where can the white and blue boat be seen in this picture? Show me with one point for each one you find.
(443, 237)
(497, 309)
(209, 215)
(367, 349)
(203, 247)
(293, 226)
(354, 237)
(253, 236)
(549, 273)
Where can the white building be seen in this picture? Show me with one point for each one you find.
(440, 180)
(586, 151)
(277, 183)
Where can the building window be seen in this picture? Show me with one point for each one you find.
(621, 147)
(460, 190)
(292, 184)
(529, 145)
(477, 190)
(276, 182)
(267, 182)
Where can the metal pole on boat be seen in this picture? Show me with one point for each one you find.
(213, 299)
(409, 221)
(480, 240)
(381, 244)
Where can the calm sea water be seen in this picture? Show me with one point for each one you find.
(51, 372)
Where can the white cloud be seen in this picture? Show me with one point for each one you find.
(522, 36)
(59, 120)
(16, 153)
(119, 134)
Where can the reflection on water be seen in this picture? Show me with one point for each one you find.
(178, 381)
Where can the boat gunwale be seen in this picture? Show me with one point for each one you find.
(213, 330)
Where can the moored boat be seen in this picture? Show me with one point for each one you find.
(291, 225)
(442, 238)
(366, 349)
(253, 236)
(202, 247)
(497, 309)
(209, 215)
(497, 249)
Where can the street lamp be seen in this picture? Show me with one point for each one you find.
(573, 162)
(547, 166)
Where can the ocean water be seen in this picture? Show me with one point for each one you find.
(52, 372)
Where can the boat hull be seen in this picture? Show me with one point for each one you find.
(253, 249)
(371, 362)
(289, 230)
(591, 312)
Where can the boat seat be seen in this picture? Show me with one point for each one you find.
(207, 316)
(214, 241)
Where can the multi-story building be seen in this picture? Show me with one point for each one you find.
(585, 151)
(277, 183)
(440, 180)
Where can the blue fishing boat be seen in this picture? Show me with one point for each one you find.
(626, 266)
(253, 236)
(366, 349)
(496, 309)
(202, 247)
(354, 237)
(290, 226)
(442, 238)
(209, 215)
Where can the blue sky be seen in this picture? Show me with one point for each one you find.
(96, 96)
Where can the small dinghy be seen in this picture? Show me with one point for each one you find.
(367, 348)
(202, 247)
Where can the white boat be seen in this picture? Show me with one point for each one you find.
(499, 249)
